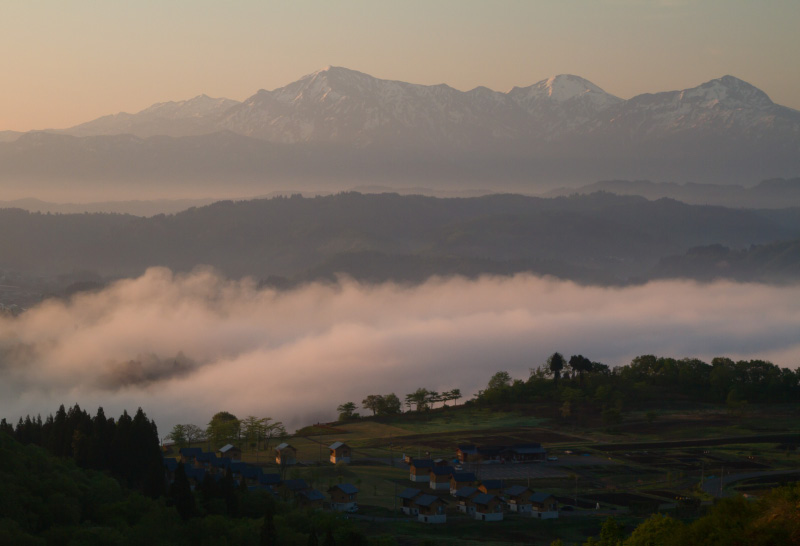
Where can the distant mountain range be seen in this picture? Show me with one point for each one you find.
(340, 125)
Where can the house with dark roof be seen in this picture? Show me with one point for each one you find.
(459, 480)
(464, 498)
(525, 453)
(340, 452)
(270, 480)
(492, 487)
(310, 498)
(344, 497)
(285, 454)
(488, 507)
(407, 497)
(518, 453)
(518, 499)
(231, 451)
(194, 475)
(430, 509)
(189, 454)
(440, 477)
(544, 505)
(420, 470)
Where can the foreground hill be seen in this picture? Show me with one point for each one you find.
(595, 238)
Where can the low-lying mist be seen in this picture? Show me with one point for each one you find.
(186, 346)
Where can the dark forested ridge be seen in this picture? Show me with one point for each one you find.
(595, 238)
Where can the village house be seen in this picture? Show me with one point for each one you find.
(518, 499)
(189, 454)
(544, 506)
(420, 470)
(407, 497)
(230, 451)
(205, 460)
(440, 477)
(310, 498)
(340, 452)
(488, 507)
(460, 480)
(430, 509)
(285, 454)
(464, 498)
(344, 497)
(491, 487)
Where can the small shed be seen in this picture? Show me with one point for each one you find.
(285, 454)
(431, 509)
(340, 452)
(344, 497)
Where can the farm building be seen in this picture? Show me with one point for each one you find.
(340, 452)
(518, 453)
(464, 498)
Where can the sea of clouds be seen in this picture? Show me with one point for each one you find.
(184, 346)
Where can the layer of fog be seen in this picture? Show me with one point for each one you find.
(186, 346)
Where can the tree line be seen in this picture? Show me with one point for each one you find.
(254, 433)
(648, 380)
(389, 404)
(128, 447)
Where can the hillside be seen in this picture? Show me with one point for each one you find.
(596, 238)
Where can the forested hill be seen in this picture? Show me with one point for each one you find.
(591, 238)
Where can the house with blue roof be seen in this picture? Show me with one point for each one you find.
(459, 480)
(518, 499)
(430, 509)
(488, 507)
(344, 497)
(340, 452)
(420, 470)
(407, 497)
(492, 487)
(464, 498)
(544, 505)
(189, 454)
(310, 498)
(231, 451)
(440, 478)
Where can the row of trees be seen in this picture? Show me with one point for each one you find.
(128, 448)
(389, 404)
(252, 432)
(646, 380)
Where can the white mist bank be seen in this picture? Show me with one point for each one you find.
(186, 346)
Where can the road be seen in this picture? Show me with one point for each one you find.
(712, 485)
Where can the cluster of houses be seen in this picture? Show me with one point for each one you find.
(199, 465)
(485, 500)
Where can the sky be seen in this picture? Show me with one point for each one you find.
(185, 346)
(65, 63)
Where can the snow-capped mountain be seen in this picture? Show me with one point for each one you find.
(175, 118)
(342, 125)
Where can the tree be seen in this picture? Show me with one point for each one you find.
(178, 436)
(181, 493)
(224, 428)
(194, 433)
(252, 430)
(499, 381)
(555, 364)
(347, 411)
(455, 394)
(420, 398)
(372, 402)
(580, 364)
(390, 405)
